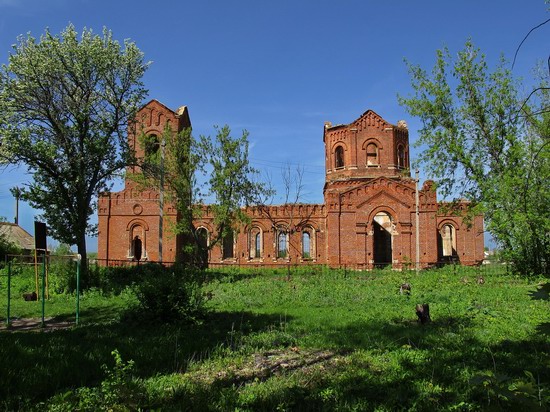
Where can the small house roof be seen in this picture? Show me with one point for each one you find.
(17, 235)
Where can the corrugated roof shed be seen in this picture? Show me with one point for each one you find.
(17, 235)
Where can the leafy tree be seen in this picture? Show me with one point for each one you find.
(227, 184)
(65, 104)
(232, 184)
(483, 142)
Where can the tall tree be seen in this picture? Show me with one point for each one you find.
(231, 184)
(486, 143)
(228, 184)
(171, 169)
(65, 104)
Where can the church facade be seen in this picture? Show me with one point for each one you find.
(373, 215)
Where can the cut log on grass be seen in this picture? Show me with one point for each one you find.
(423, 313)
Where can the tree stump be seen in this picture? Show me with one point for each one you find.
(423, 313)
(405, 288)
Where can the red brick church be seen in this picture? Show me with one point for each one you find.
(368, 218)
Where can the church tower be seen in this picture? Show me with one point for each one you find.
(369, 192)
(367, 148)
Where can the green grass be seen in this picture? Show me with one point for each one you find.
(319, 340)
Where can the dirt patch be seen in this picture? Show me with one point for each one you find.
(35, 324)
(262, 366)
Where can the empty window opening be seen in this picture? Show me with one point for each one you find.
(255, 246)
(136, 248)
(227, 246)
(282, 244)
(339, 157)
(151, 145)
(258, 245)
(372, 154)
(306, 245)
(401, 156)
(202, 242)
(382, 239)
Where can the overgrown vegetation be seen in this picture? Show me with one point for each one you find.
(322, 340)
(486, 142)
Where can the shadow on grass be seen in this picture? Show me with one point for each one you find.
(398, 365)
(35, 365)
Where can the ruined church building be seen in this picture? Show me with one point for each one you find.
(368, 218)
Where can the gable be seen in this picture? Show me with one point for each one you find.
(384, 198)
(393, 190)
(370, 119)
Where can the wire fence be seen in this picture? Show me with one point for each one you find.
(482, 268)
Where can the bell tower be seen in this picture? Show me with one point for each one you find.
(367, 148)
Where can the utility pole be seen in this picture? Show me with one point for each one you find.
(161, 195)
(417, 222)
(16, 192)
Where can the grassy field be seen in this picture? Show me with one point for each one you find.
(321, 340)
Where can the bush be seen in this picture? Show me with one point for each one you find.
(173, 294)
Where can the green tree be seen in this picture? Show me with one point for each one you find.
(171, 168)
(232, 182)
(65, 104)
(228, 184)
(486, 143)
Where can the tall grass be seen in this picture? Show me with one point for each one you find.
(318, 340)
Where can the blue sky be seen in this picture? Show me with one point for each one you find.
(281, 69)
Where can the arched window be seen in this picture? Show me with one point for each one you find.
(282, 244)
(202, 236)
(372, 154)
(227, 246)
(306, 245)
(400, 157)
(202, 241)
(255, 243)
(339, 157)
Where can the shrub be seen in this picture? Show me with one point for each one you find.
(119, 391)
(172, 294)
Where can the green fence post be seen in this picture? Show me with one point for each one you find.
(78, 289)
(9, 294)
(43, 289)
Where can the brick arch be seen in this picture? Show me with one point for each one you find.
(451, 222)
(369, 141)
(136, 222)
(312, 224)
(281, 224)
(257, 223)
(386, 209)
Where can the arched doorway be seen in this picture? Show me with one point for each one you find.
(382, 239)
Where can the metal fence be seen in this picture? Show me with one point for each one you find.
(485, 268)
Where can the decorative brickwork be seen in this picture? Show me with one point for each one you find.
(368, 218)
